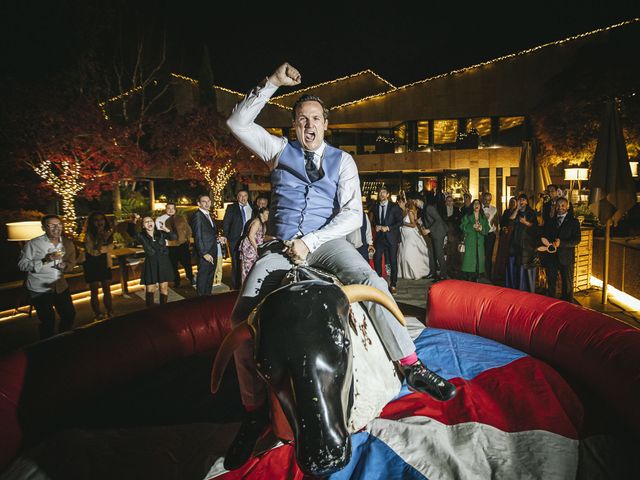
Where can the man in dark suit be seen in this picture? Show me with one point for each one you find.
(235, 219)
(563, 233)
(434, 225)
(387, 220)
(206, 243)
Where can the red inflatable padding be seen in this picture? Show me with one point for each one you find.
(597, 349)
(49, 379)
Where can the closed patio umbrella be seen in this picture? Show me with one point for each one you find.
(533, 178)
(612, 190)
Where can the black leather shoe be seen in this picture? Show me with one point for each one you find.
(421, 379)
(253, 426)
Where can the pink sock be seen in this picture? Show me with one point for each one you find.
(409, 359)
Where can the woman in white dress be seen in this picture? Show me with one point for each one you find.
(413, 256)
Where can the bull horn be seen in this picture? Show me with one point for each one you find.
(367, 293)
(241, 333)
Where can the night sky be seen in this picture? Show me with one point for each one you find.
(402, 43)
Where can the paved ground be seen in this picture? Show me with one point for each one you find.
(411, 296)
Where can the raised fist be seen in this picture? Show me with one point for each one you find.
(285, 75)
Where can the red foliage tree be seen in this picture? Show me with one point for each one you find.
(198, 145)
(66, 140)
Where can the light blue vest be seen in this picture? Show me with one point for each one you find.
(297, 204)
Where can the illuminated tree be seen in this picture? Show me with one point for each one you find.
(196, 145)
(567, 122)
(74, 150)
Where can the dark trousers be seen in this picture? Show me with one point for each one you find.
(236, 266)
(206, 272)
(390, 252)
(45, 302)
(181, 254)
(489, 242)
(438, 253)
(566, 273)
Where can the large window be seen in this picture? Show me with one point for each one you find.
(445, 133)
(423, 135)
(480, 126)
(483, 181)
(400, 138)
(511, 131)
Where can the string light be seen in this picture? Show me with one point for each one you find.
(224, 89)
(66, 183)
(217, 184)
(336, 80)
(489, 62)
(102, 105)
(371, 72)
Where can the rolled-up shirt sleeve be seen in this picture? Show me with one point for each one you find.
(242, 124)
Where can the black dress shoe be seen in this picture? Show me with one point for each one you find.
(421, 379)
(253, 426)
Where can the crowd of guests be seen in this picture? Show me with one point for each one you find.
(420, 235)
(166, 241)
(428, 235)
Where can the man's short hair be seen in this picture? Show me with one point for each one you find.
(523, 195)
(309, 98)
(484, 194)
(46, 218)
(199, 197)
(170, 203)
(562, 199)
(466, 195)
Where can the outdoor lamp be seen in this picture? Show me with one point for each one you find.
(574, 174)
(23, 231)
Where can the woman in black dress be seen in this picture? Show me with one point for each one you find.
(157, 265)
(98, 243)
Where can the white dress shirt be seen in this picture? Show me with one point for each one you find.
(355, 237)
(41, 276)
(385, 205)
(248, 211)
(206, 214)
(269, 147)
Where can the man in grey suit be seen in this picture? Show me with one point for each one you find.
(434, 225)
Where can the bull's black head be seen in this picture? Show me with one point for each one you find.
(303, 352)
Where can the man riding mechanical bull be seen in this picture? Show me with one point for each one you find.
(316, 202)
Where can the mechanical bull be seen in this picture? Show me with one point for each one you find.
(321, 357)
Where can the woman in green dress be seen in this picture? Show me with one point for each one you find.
(474, 227)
